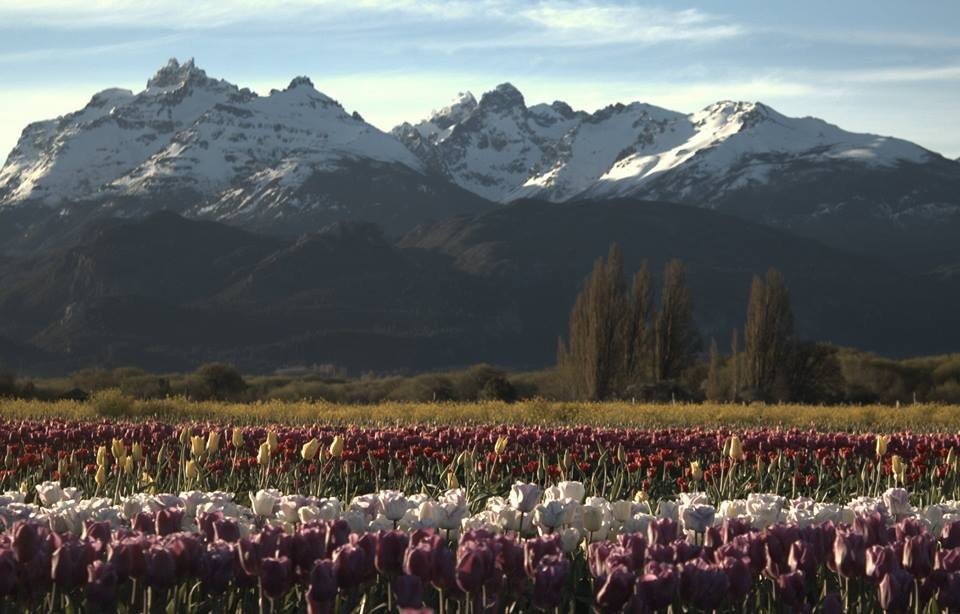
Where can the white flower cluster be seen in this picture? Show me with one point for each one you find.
(564, 509)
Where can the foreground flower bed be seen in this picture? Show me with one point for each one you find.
(534, 549)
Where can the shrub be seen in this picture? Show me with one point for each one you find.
(112, 403)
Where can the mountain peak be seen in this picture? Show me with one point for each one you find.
(175, 75)
(504, 96)
(300, 81)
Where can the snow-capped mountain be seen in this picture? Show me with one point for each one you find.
(504, 150)
(209, 148)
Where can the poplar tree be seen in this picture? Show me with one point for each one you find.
(676, 341)
(768, 334)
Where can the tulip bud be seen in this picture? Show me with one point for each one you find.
(951, 458)
(128, 465)
(236, 438)
(452, 481)
(899, 469)
(272, 440)
(213, 442)
(882, 442)
(192, 471)
(760, 465)
(567, 459)
(197, 445)
(101, 477)
(310, 449)
(136, 452)
(102, 455)
(501, 446)
(263, 455)
(695, 471)
(736, 448)
(118, 449)
(185, 436)
(641, 496)
(336, 447)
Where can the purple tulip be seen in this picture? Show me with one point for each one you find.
(418, 560)
(97, 533)
(169, 520)
(186, 549)
(950, 535)
(338, 534)
(849, 554)
(918, 552)
(309, 544)
(831, 604)
(323, 583)
(703, 585)
(409, 591)
(8, 572)
(248, 553)
(880, 561)
(226, 529)
(102, 585)
(658, 585)
(549, 578)
(948, 597)
(739, 575)
(662, 531)
(69, 564)
(615, 587)
(537, 548)
(873, 527)
(791, 588)
(368, 543)
(635, 545)
(216, 567)
(894, 591)
(597, 554)
(390, 548)
(26, 540)
(475, 566)
(948, 560)
(510, 561)
(276, 576)
(801, 558)
(144, 522)
(349, 563)
(205, 523)
(684, 551)
(777, 541)
(161, 568)
(908, 527)
(127, 557)
(444, 570)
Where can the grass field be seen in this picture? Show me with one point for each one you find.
(110, 404)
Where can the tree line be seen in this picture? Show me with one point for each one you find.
(626, 342)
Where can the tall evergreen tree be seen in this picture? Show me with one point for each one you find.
(676, 341)
(768, 334)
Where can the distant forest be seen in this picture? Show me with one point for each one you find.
(625, 342)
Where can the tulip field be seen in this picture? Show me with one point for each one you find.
(456, 512)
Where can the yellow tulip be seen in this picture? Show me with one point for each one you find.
(191, 470)
(263, 455)
(736, 448)
(695, 471)
(452, 481)
(128, 465)
(640, 497)
(213, 442)
(310, 449)
(501, 446)
(336, 447)
(136, 452)
(272, 440)
(899, 469)
(882, 442)
(185, 435)
(236, 438)
(102, 455)
(101, 477)
(118, 449)
(197, 445)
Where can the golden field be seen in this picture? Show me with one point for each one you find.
(111, 404)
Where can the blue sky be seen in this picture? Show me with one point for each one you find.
(867, 65)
